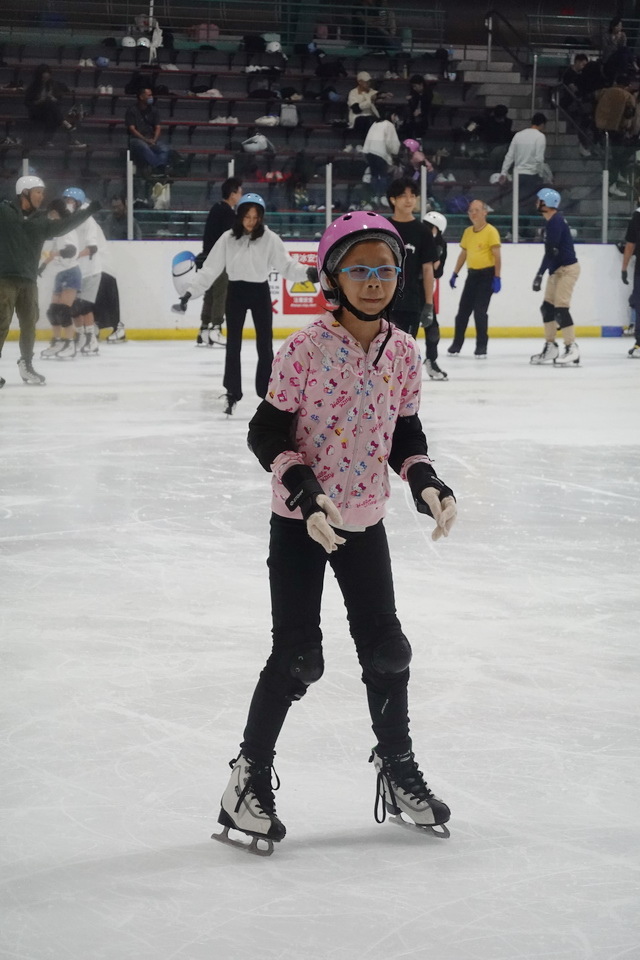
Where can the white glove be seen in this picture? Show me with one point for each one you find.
(319, 524)
(444, 512)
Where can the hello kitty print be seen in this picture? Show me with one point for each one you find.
(347, 403)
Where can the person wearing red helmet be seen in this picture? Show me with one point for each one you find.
(342, 404)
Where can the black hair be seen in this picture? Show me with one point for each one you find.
(416, 78)
(500, 110)
(397, 187)
(118, 196)
(580, 57)
(237, 229)
(614, 23)
(622, 80)
(230, 185)
(538, 119)
(58, 206)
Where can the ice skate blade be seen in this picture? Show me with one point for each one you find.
(252, 847)
(437, 830)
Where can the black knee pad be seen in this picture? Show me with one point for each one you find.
(65, 315)
(307, 665)
(392, 655)
(81, 307)
(432, 333)
(52, 314)
(548, 312)
(563, 317)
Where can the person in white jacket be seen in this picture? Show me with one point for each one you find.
(380, 147)
(249, 252)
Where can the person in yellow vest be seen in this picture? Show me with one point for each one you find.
(480, 250)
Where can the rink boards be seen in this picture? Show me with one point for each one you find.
(143, 271)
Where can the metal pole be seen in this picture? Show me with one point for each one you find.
(557, 108)
(231, 168)
(534, 81)
(516, 204)
(605, 191)
(489, 25)
(25, 166)
(423, 192)
(129, 197)
(328, 193)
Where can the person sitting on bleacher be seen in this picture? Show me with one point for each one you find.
(143, 126)
(42, 100)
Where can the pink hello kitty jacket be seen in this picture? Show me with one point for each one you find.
(344, 406)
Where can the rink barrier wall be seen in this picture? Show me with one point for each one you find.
(143, 269)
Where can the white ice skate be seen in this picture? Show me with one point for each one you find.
(118, 335)
(549, 353)
(54, 347)
(215, 337)
(28, 374)
(248, 806)
(570, 356)
(434, 371)
(401, 788)
(90, 346)
(67, 351)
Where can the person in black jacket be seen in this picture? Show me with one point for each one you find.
(23, 231)
(221, 217)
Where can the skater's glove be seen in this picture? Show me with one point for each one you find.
(199, 260)
(433, 497)
(537, 283)
(94, 206)
(426, 315)
(312, 274)
(319, 513)
(181, 307)
(42, 268)
(67, 252)
(442, 507)
(625, 277)
(496, 285)
(452, 282)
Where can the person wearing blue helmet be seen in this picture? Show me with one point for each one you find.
(249, 252)
(92, 241)
(561, 262)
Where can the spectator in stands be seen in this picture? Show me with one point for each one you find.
(362, 108)
(43, 99)
(615, 114)
(143, 126)
(381, 146)
(576, 101)
(374, 26)
(115, 225)
(526, 152)
(418, 108)
(495, 132)
(221, 217)
(617, 57)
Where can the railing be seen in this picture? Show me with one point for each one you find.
(295, 21)
(573, 33)
(502, 33)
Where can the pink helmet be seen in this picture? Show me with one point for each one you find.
(411, 144)
(344, 233)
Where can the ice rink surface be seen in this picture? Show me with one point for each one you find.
(135, 619)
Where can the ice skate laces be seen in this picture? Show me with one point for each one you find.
(259, 783)
(401, 772)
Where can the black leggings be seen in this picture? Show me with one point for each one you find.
(362, 568)
(243, 296)
(409, 321)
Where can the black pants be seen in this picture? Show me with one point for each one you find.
(243, 296)
(409, 321)
(296, 573)
(475, 298)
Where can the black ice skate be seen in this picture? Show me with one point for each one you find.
(229, 404)
(434, 371)
(248, 805)
(401, 788)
